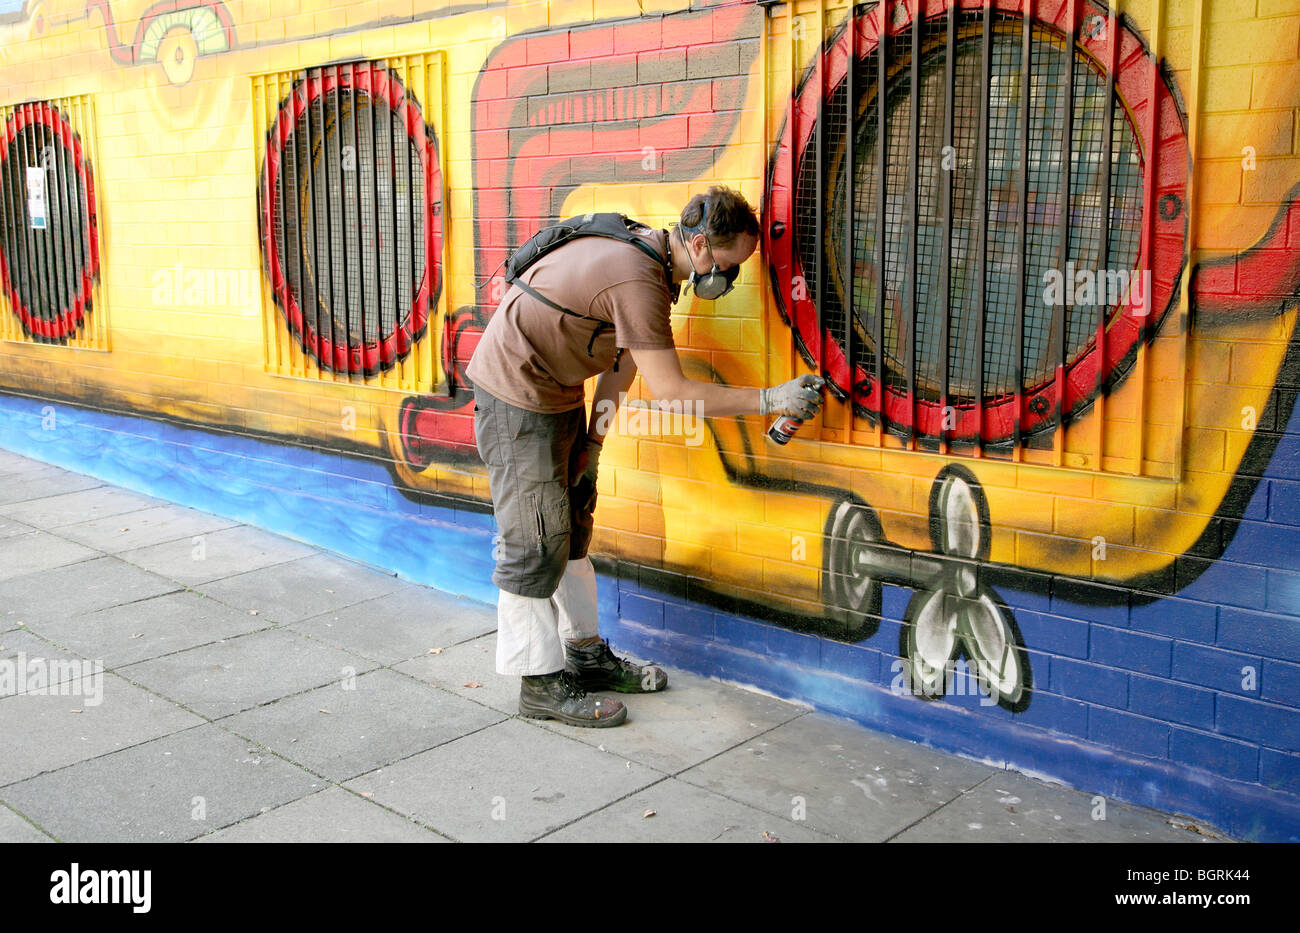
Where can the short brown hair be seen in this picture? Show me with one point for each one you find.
(724, 214)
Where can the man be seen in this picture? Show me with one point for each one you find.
(532, 433)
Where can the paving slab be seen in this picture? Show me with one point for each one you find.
(1010, 807)
(70, 508)
(10, 527)
(151, 628)
(351, 728)
(15, 828)
(133, 530)
(37, 655)
(235, 674)
(468, 670)
(691, 721)
(168, 790)
(681, 812)
(211, 555)
(47, 732)
(402, 625)
(36, 551)
(12, 463)
(533, 781)
(299, 589)
(76, 589)
(331, 815)
(852, 784)
(38, 484)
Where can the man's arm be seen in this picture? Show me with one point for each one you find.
(611, 386)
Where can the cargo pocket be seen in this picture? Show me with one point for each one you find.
(537, 526)
(556, 517)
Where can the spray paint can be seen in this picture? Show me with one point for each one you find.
(783, 429)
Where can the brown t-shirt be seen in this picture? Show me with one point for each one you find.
(535, 357)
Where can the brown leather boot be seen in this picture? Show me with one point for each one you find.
(560, 696)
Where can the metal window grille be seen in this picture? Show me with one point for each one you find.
(926, 231)
(350, 209)
(50, 288)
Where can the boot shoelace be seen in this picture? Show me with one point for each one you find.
(601, 653)
(573, 689)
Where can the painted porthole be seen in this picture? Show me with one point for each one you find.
(49, 247)
(352, 217)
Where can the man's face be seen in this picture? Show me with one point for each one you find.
(703, 255)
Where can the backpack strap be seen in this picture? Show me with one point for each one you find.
(627, 236)
(601, 326)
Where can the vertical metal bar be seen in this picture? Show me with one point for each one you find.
(67, 200)
(315, 238)
(418, 382)
(75, 199)
(40, 245)
(53, 251)
(432, 347)
(945, 214)
(86, 204)
(1104, 304)
(764, 66)
(391, 164)
(273, 101)
(6, 219)
(10, 225)
(1060, 318)
(331, 360)
(38, 288)
(790, 353)
(375, 229)
(68, 206)
(62, 263)
(913, 216)
(820, 157)
(1139, 375)
(33, 260)
(982, 222)
(1190, 249)
(266, 222)
(882, 144)
(403, 297)
(1022, 226)
(339, 134)
(850, 149)
(18, 220)
(299, 229)
(358, 223)
(412, 205)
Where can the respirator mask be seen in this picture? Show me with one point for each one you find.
(713, 284)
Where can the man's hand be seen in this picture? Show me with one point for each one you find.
(800, 398)
(582, 485)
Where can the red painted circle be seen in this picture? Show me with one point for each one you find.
(382, 85)
(70, 317)
(1138, 90)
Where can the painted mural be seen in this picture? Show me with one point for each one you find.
(1048, 265)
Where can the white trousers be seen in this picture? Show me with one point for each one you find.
(531, 631)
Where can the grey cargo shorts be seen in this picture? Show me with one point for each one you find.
(530, 457)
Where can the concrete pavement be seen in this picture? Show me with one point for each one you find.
(170, 675)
